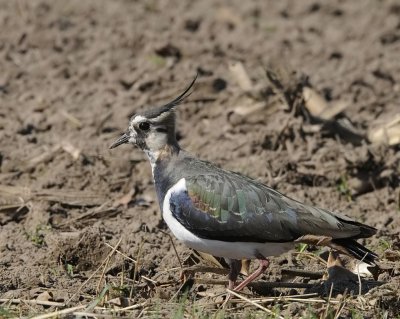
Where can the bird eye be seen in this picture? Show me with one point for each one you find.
(144, 126)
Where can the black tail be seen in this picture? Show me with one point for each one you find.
(365, 230)
(357, 250)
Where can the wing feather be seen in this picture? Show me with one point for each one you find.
(226, 206)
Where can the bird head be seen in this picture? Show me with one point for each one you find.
(154, 129)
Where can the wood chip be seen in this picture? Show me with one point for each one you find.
(314, 102)
(252, 112)
(333, 110)
(71, 149)
(242, 78)
(388, 133)
(319, 107)
(45, 296)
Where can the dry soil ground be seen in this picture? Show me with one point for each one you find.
(71, 74)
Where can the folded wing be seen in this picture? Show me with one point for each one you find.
(227, 206)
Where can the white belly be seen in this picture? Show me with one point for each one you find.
(232, 250)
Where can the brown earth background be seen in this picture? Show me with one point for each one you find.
(73, 72)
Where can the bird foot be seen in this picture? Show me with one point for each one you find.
(264, 263)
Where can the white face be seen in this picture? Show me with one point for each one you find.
(147, 134)
(133, 125)
(157, 130)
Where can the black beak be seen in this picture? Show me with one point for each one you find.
(124, 138)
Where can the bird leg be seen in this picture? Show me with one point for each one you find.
(235, 267)
(264, 263)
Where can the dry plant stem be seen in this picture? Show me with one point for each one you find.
(34, 302)
(358, 275)
(134, 261)
(301, 300)
(329, 302)
(266, 284)
(92, 275)
(122, 280)
(142, 312)
(359, 280)
(105, 266)
(81, 314)
(234, 293)
(71, 118)
(135, 271)
(58, 313)
(311, 256)
(204, 269)
(173, 245)
(133, 307)
(262, 284)
(121, 253)
(341, 305)
(166, 283)
(177, 292)
(154, 282)
(294, 299)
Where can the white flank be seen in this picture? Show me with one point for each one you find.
(233, 250)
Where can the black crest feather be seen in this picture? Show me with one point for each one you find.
(153, 113)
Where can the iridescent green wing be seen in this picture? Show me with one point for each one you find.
(230, 207)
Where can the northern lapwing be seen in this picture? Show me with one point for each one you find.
(227, 214)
